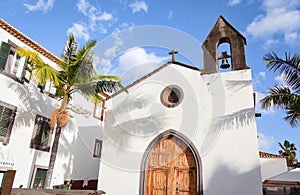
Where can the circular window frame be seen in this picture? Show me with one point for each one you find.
(164, 96)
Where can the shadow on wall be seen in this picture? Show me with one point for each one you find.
(79, 163)
(231, 121)
(32, 102)
(227, 181)
(236, 85)
(122, 123)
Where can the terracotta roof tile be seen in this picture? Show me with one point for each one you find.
(268, 155)
(16, 33)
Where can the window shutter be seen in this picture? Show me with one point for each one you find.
(41, 137)
(5, 120)
(45, 137)
(39, 134)
(4, 51)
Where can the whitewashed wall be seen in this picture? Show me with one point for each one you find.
(216, 114)
(75, 154)
(29, 102)
(271, 167)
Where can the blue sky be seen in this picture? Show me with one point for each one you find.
(268, 25)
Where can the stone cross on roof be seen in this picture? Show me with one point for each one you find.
(173, 52)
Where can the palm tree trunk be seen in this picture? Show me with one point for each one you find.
(52, 157)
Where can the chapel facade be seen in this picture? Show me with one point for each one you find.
(185, 130)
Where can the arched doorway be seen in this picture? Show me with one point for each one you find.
(171, 167)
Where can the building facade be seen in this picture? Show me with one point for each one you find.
(25, 110)
(182, 130)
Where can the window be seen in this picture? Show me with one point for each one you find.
(11, 63)
(97, 148)
(41, 136)
(7, 116)
(38, 177)
(2, 177)
(171, 96)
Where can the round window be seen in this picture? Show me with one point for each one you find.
(171, 96)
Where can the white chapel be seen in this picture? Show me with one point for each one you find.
(184, 130)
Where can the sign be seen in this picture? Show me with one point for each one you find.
(4, 163)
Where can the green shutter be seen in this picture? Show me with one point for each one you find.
(2, 178)
(39, 179)
(4, 51)
(42, 133)
(38, 135)
(5, 120)
(46, 131)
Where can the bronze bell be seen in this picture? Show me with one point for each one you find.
(223, 57)
(224, 64)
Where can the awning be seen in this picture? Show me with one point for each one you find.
(287, 179)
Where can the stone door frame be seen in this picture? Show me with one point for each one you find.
(157, 140)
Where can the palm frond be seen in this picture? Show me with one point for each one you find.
(109, 77)
(82, 66)
(41, 70)
(86, 70)
(46, 73)
(293, 115)
(278, 96)
(289, 68)
(69, 53)
(31, 57)
(85, 50)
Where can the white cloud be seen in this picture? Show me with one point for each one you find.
(265, 141)
(41, 5)
(281, 18)
(234, 2)
(104, 60)
(123, 26)
(83, 6)
(138, 56)
(258, 77)
(95, 16)
(105, 16)
(262, 74)
(292, 38)
(170, 16)
(136, 62)
(269, 43)
(139, 6)
(79, 31)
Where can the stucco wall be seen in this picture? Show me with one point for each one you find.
(216, 115)
(271, 167)
(75, 154)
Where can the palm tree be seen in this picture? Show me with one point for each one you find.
(288, 149)
(76, 74)
(285, 97)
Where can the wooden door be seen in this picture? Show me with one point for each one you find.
(171, 169)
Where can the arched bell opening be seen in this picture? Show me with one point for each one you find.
(171, 165)
(224, 55)
(224, 32)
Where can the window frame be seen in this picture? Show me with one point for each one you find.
(36, 167)
(34, 134)
(13, 47)
(5, 140)
(97, 151)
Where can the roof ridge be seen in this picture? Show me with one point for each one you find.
(153, 72)
(269, 155)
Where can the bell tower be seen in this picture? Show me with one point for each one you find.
(224, 33)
